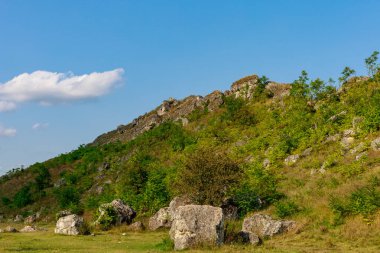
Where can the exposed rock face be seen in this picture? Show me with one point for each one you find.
(31, 219)
(245, 87)
(18, 218)
(196, 224)
(28, 229)
(176, 110)
(161, 219)
(62, 214)
(230, 210)
(69, 225)
(264, 226)
(248, 237)
(10, 229)
(124, 213)
(164, 217)
(291, 159)
(375, 144)
(60, 182)
(136, 226)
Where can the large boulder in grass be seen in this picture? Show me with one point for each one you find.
(197, 225)
(164, 217)
(117, 211)
(10, 229)
(28, 229)
(70, 225)
(161, 219)
(265, 226)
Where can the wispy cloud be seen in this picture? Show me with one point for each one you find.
(7, 106)
(47, 88)
(7, 132)
(38, 126)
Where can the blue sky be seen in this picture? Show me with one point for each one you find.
(147, 51)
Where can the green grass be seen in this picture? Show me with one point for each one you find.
(115, 242)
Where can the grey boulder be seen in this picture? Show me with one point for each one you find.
(69, 225)
(197, 224)
(265, 226)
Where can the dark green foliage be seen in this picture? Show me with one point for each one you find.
(6, 201)
(300, 86)
(258, 190)
(23, 197)
(237, 111)
(208, 175)
(371, 64)
(286, 208)
(67, 196)
(364, 201)
(108, 218)
(43, 178)
(346, 73)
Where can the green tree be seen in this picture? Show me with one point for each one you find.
(208, 175)
(300, 87)
(371, 64)
(346, 73)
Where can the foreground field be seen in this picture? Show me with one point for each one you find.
(115, 242)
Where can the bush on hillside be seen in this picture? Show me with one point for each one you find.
(208, 175)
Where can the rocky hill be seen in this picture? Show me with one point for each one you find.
(307, 151)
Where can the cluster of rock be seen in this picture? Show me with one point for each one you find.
(179, 110)
(26, 229)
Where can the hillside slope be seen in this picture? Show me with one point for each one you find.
(306, 150)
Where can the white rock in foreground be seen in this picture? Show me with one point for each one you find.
(69, 225)
(197, 225)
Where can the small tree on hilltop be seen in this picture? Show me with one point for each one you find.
(346, 73)
(372, 66)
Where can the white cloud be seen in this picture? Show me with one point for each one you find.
(37, 126)
(47, 88)
(7, 132)
(7, 106)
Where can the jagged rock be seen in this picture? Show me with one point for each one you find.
(356, 122)
(291, 159)
(248, 237)
(307, 152)
(196, 224)
(136, 226)
(333, 138)
(361, 155)
(62, 214)
(359, 148)
(161, 219)
(105, 165)
(124, 213)
(266, 163)
(28, 229)
(30, 219)
(18, 218)
(164, 217)
(264, 226)
(177, 202)
(214, 100)
(245, 87)
(230, 210)
(60, 182)
(99, 190)
(349, 133)
(278, 90)
(337, 116)
(10, 229)
(375, 144)
(347, 142)
(70, 225)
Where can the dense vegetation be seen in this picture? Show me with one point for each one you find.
(235, 152)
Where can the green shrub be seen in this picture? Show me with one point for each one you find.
(67, 196)
(165, 245)
(208, 175)
(286, 208)
(107, 217)
(364, 201)
(23, 197)
(257, 191)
